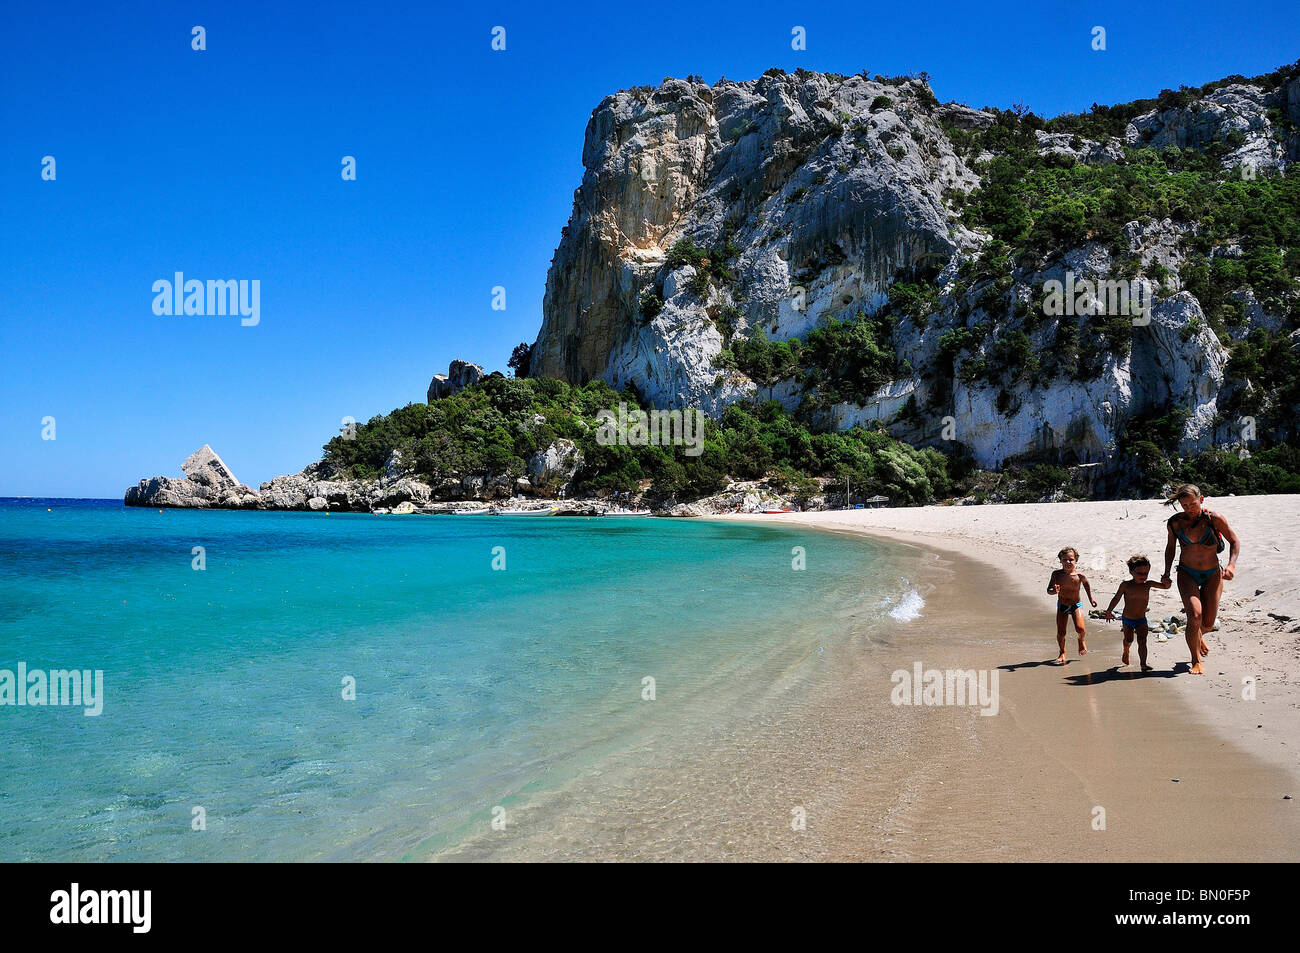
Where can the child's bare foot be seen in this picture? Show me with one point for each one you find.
(1083, 649)
(1124, 660)
(1197, 670)
(1146, 667)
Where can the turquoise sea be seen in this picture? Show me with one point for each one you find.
(475, 686)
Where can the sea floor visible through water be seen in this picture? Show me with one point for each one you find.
(499, 666)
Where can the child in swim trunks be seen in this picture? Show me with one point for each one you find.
(1065, 585)
(1135, 592)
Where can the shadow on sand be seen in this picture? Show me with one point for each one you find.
(1123, 673)
(1017, 666)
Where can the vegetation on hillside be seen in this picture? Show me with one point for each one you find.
(491, 428)
(1242, 242)
(1150, 445)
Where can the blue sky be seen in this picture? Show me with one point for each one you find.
(226, 164)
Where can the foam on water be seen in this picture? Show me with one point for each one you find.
(904, 608)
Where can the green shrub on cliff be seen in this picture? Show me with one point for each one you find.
(916, 300)
(766, 362)
(1271, 365)
(1034, 207)
(1008, 359)
(851, 360)
(1220, 472)
(684, 252)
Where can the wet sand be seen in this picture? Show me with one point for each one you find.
(1176, 762)
(872, 780)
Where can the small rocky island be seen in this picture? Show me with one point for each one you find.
(209, 484)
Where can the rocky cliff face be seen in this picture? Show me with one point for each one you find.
(825, 190)
(769, 165)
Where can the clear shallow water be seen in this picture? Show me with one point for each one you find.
(474, 687)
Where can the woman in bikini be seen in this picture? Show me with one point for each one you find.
(1200, 577)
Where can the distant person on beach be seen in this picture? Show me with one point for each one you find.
(1135, 592)
(1065, 585)
(1201, 534)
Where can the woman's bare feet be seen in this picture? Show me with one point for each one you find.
(1196, 669)
(1083, 649)
(1060, 659)
(1205, 649)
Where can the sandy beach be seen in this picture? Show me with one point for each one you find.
(1187, 768)
(1090, 762)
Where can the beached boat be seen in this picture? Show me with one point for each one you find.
(544, 511)
(626, 513)
(774, 509)
(481, 512)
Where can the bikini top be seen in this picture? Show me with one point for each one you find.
(1211, 534)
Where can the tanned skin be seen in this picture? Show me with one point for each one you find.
(1136, 593)
(1201, 602)
(1065, 585)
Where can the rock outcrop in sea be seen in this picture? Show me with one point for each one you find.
(208, 482)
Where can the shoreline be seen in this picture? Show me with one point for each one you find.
(1012, 542)
(885, 782)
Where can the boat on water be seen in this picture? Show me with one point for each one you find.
(544, 511)
(626, 513)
